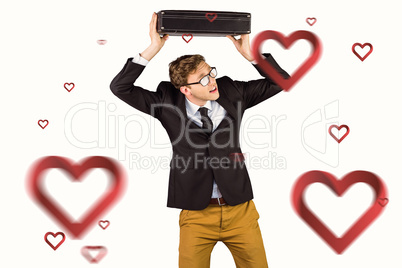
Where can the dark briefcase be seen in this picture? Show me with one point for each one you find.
(204, 23)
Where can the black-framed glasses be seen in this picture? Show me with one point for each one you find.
(205, 80)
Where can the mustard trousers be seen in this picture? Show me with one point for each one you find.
(236, 226)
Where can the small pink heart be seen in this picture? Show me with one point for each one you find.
(338, 128)
(311, 21)
(99, 250)
(211, 16)
(383, 201)
(362, 47)
(187, 37)
(69, 86)
(55, 235)
(104, 224)
(101, 41)
(43, 123)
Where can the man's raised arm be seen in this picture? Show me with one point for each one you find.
(259, 90)
(122, 85)
(157, 42)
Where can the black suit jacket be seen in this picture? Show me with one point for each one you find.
(200, 157)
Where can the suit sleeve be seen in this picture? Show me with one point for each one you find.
(256, 91)
(142, 99)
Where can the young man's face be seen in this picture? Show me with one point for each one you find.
(197, 93)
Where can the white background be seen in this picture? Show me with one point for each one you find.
(45, 44)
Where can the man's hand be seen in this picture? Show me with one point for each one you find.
(157, 42)
(243, 46)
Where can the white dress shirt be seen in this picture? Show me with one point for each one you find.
(215, 111)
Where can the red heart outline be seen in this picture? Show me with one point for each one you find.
(68, 84)
(362, 46)
(383, 201)
(101, 41)
(102, 252)
(338, 187)
(187, 35)
(55, 235)
(286, 42)
(35, 183)
(308, 21)
(107, 224)
(207, 15)
(338, 128)
(43, 121)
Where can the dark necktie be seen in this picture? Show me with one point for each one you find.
(206, 121)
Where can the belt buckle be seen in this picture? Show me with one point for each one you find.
(219, 202)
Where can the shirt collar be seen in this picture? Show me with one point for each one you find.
(193, 108)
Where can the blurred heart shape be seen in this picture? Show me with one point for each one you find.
(286, 42)
(75, 172)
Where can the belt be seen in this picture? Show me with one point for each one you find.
(218, 201)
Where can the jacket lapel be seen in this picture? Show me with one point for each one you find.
(181, 104)
(223, 100)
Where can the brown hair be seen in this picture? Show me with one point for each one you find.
(180, 68)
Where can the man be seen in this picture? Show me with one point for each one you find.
(208, 179)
